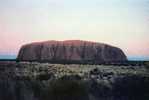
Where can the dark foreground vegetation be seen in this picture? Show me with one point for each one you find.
(35, 81)
(124, 88)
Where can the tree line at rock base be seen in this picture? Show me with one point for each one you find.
(90, 62)
(124, 63)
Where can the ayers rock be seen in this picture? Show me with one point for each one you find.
(71, 50)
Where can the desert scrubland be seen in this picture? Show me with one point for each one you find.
(45, 81)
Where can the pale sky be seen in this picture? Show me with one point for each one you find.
(122, 23)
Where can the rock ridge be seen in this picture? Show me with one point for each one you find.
(71, 50)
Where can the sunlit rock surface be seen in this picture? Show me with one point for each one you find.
(71, 50)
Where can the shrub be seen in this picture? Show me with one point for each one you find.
(66, 89)
(45, 76)
(132, 87)
(101, 90)
(146, 64)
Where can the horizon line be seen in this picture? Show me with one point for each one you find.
(130, 58)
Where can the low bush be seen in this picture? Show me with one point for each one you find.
(146, 64)
(66, 89)
(132, 87)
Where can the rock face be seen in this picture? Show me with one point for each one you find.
(71, 50)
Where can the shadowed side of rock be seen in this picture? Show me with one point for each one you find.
(81, 51)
